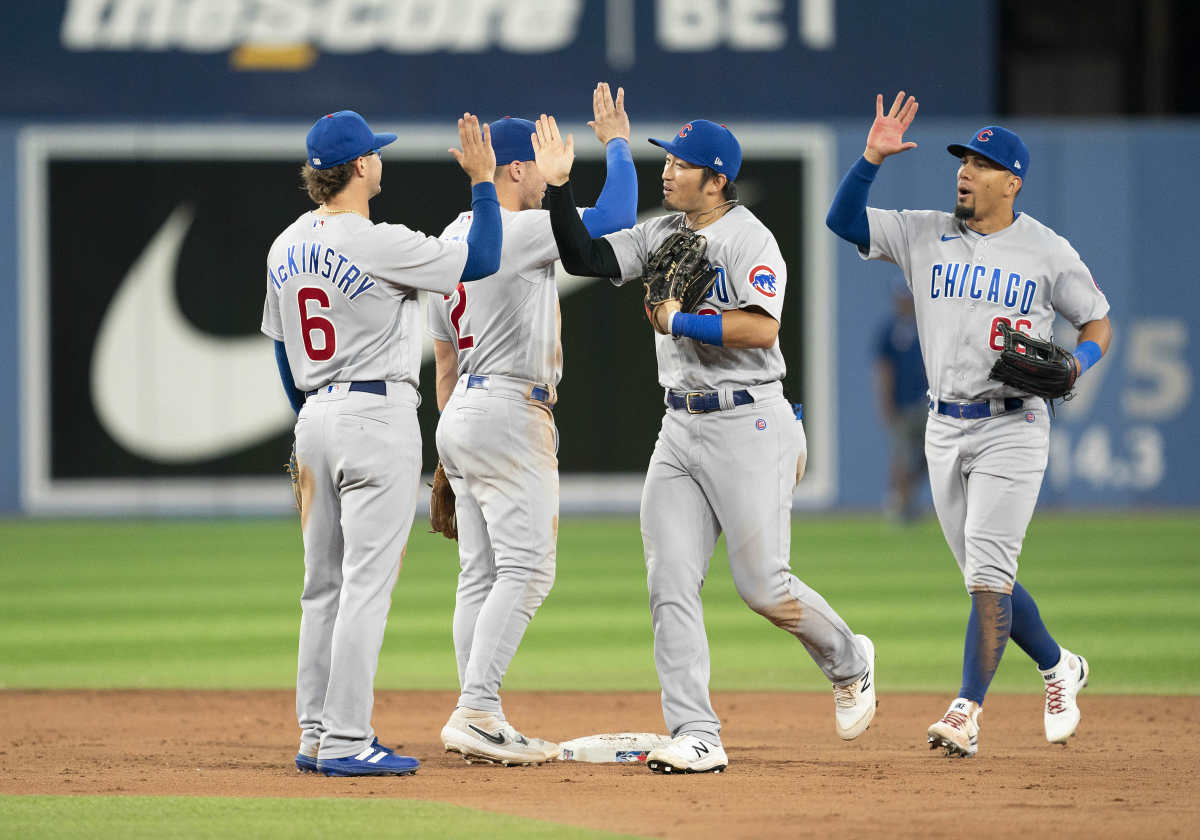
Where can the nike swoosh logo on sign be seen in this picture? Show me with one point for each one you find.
(498, 740)
(168, 392)
(946, 238)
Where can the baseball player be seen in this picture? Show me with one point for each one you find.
(974, 273)
(730, 448)
(903, 403)
(499, 360)
(342, 307)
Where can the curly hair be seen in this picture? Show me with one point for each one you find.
(323, 184)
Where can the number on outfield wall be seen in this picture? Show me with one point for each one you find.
(315, 323)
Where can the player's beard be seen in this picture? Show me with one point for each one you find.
(964, 212)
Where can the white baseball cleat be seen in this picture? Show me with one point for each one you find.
(854, 704)
(958, 730)
(1063, 683)
(482, 738)
(688, 754)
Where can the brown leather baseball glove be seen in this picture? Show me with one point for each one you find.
(442, 518)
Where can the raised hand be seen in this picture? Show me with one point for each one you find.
(887, 132)
(477, 157)
(610, 121)
(553, 156)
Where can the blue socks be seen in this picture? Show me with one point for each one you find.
(988, 630)
(1029, 631)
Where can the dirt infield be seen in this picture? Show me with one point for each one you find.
(1131, 772)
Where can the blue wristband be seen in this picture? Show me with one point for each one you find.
(709, 329)
(1088, 353)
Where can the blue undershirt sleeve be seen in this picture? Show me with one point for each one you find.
(294, 395)
(847, 215)
(486, 234)
(616, 208)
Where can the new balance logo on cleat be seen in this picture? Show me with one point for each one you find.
(701, 748)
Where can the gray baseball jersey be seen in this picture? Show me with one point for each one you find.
(984, 473)
(730, 471)
(750, 272)
(341, 295)
(507, 323)
(965, 283)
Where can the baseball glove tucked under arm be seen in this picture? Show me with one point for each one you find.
(678, 271)
(1034, 366)
(442, 518)
(293, 471)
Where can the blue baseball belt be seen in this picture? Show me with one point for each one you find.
(974, 410)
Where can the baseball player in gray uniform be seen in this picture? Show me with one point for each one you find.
(970, 271)
(499, 360)
(730, 448)
(342, 307)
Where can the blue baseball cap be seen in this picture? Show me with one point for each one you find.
(510, 140)
(708, 144)
(341, 137)
(998, 145)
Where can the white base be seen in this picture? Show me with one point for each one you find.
(614, 748)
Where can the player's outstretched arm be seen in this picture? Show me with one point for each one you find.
(886, 137)
(847, 215)
(478, 160)
(616, 208)
(581, 255)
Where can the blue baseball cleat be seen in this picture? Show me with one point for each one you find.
(306, 763)
(373, 761)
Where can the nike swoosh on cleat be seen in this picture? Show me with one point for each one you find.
(499, 740)
(946, 238)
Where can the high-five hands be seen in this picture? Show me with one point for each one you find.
(554, 157)
(477, 158)
(887, 132)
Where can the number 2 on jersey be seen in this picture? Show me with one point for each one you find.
(315, 323)
(996, 342)
(465, 342)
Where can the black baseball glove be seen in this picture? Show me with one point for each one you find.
(1034, 366)
(293, 471)
(678, 271)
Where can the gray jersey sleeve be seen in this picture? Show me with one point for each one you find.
(634, 244)
(437, 317)
(759, 277)
(405, 258)
(1075, 294)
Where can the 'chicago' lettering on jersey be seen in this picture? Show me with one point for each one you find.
(318, 260)
(981, 282)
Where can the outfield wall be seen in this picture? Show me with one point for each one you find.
(168, 402)
(148, 155)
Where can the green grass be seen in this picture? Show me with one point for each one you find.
(214, 604)
(154, 817)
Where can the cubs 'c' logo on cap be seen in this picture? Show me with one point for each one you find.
(762, 278)
(984, 135)
(683, 132)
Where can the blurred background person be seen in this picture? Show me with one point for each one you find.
(902, 391)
